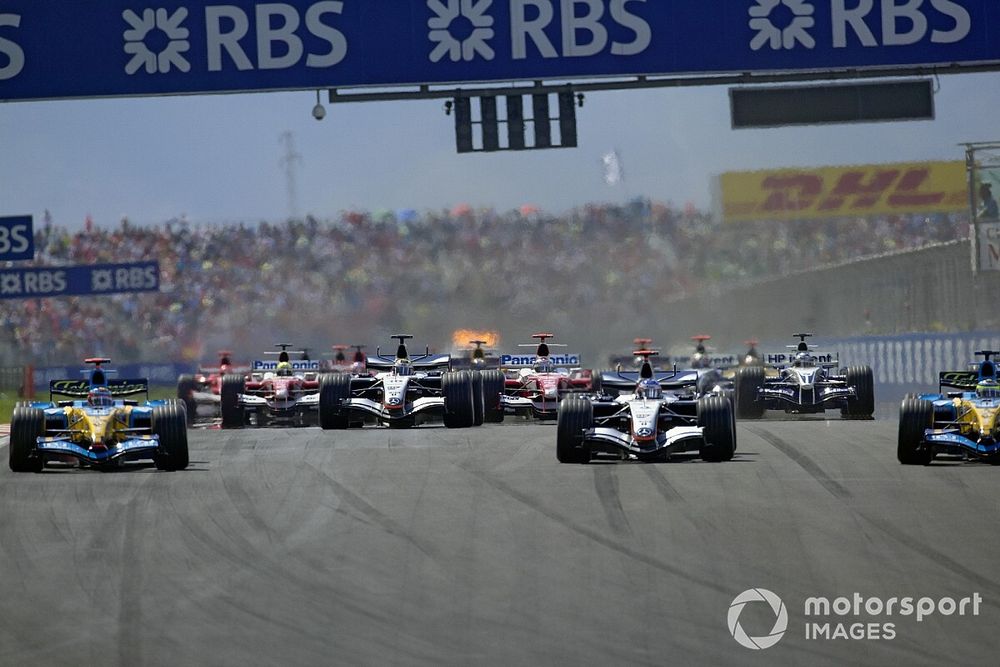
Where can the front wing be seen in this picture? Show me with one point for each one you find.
(423, 405)
(133, 448)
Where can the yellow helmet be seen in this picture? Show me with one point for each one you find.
(284, 369)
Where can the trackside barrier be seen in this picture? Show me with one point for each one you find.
(16, 381)
(930, 289)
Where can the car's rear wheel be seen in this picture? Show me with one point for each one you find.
(26, 425)
(170, 424)
(576, 415)
(915, 416)
(334, 389)
(459, 410)
(863, 381)
(185, 388)
(715, 416)
(478, 414)
(492, 391)
(749, 381)
(232, 411)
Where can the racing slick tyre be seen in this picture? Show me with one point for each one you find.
(492, 390)
(576, 415)
(459, 407)
(715, 416)
(915, 415)
(170, 423)
(26, 425)
(185, 388)
(334, 389)
(229, 404)
(477, 399)
(749, 380)
(596, 387)
(862, 407)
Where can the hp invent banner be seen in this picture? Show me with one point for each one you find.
(69, 48)
(79, 280)
(833, 192)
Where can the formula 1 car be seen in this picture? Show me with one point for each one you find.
(632, 362)
(99, 427)
(477, 357)
(403, 392)
(809, 384)
(339, 363)
(964, 422)
(660, 416)
(201, 392)
(281, 393)
(534, 385)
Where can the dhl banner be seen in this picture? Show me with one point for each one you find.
(835, 192)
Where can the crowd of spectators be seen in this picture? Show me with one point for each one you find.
(363, 275)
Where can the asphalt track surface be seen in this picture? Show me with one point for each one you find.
(434, 546)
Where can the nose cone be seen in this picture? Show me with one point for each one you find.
(281, 393)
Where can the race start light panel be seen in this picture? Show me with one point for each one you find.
(522, 133)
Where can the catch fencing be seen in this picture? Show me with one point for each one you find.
(931, 289)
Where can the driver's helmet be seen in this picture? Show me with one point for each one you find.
(649, 389)
(100, 397)
(284, 369)
(402, 367)
(803, 359)
(700, 360)
(988, 388)
(543, 365)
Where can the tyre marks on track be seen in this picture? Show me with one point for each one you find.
(374, 517)
(662, 485)
(591, 534)
(804, 461)
(606, 485)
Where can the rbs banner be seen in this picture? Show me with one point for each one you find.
(835, 192)
(79, 280)
(53, 49)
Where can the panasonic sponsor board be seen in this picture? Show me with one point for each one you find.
(567, 360)
(263, 366)
(67, 48)
(79, 280)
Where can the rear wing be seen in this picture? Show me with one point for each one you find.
(80, 388)
(966, 380)
(426, 362)
(628, 380)
(779, 359)
(562, 360)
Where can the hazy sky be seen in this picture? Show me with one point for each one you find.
(219, 158)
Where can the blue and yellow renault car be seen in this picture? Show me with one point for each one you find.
(100, 426)
(964, 422)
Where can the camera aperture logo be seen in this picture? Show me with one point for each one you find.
(853, 617)
(780, 620)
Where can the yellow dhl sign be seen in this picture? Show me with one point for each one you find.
(834, 192)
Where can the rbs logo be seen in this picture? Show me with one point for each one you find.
(11, 54)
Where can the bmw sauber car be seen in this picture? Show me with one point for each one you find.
(659, 416)
(965, 422)
(279, 393)
(534, 385)
(99, 426)
(402, 392)
(805, 384)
